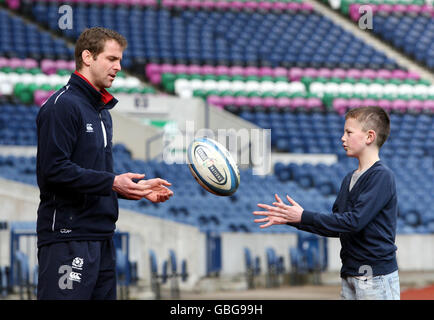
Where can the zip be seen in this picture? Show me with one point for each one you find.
(54, 214)
(103, 131)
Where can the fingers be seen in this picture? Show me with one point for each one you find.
(267, 220)
(278, 209)
(265, 206)
(266, 225)
(137, 194)
(125, 185)
(155, 182)
(164, 182)
(277, 198)
(134, 195)
(281, 205)
(135, 175)
(273, 212)
(277, 213)
(291, 201)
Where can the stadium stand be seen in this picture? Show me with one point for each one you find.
(21, 274)
(275, 268)
(308, 257)
(253, 268)
(407, 25)
(278, 64)
(169, 272)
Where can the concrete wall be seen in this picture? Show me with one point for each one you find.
(19, 202)
(160, 235)
(134, 134)
(415, 252)
(129, 118)
(233, 245)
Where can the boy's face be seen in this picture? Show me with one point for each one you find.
(107, 64)
(355, 138)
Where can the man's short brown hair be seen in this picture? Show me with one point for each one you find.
(93, 39)
(372, 118)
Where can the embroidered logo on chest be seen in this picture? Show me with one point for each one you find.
(89, 127)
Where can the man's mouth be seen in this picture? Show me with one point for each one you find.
(113, 76)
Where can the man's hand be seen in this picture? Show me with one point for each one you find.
(125, 186)
(279, 213)
(159, 191)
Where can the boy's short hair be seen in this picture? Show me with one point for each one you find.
(372, 118)
(94, 39)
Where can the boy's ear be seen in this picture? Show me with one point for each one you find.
(372, 136)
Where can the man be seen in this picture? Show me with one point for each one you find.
(78, 190)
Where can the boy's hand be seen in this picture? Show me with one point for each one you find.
(279, 213)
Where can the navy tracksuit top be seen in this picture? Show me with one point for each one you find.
(365, 221)
(75, 165)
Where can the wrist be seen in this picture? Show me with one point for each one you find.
(115, 183)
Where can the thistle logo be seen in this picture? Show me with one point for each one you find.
(77, 263)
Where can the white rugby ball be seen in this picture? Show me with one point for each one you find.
(213, 167)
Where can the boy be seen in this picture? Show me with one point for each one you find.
(364, 213)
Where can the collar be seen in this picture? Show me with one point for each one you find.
(105, 96)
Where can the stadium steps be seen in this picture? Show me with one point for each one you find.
(373, 40)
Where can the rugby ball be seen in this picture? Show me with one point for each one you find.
(213, 167)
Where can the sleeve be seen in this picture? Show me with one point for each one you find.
(312, 229)
(58, 131)
(374, 195)
(320, 231)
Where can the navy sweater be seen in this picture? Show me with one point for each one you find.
(365, 221)
(75, 165)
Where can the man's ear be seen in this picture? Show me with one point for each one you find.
(86, 56)
(371, 137)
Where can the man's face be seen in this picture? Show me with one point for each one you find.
(107, 64)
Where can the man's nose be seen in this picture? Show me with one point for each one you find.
(118, 66)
